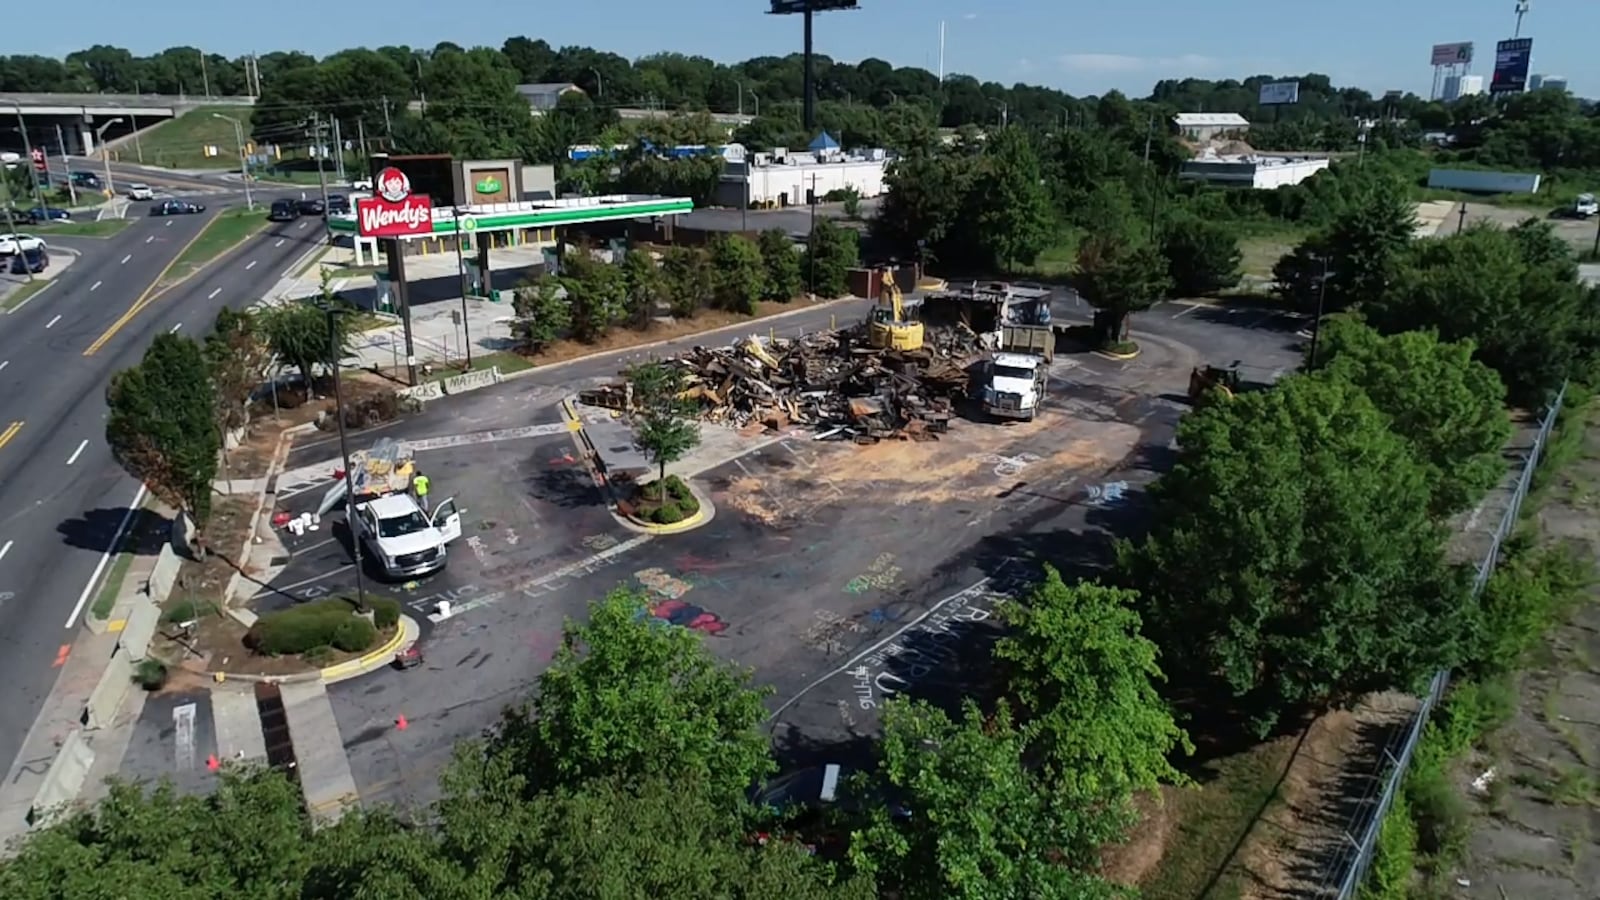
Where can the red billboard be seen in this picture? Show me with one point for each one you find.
(393, 211)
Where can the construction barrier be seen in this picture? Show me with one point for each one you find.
(140, 629)
(64, 781)
(422, 393)
(165, 573)
(471, 381)
(113, 688)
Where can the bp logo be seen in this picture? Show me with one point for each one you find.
(489, 185)
(393, 185)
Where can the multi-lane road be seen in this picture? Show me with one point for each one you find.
(63, 499)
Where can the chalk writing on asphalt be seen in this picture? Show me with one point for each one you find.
(881, 575)
(825, 634)
(660, 583)
(1103, 494)
(924, 649)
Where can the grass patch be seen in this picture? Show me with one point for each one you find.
(1261, 249)
(507, 361)
(25, 290)
(1213, 820)
(1058, 260)
(99, 228)
(181, 142)
(230, 228)
(106, 600)
(355, 271)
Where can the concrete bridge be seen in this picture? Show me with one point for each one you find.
(81, 122)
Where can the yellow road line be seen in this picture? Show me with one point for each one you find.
(149, 295)
(9, 433)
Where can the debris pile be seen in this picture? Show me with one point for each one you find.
(833, 381)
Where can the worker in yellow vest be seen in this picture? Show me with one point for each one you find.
(419, 485)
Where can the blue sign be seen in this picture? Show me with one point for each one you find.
(1511, 62)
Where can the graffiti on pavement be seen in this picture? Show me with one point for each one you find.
(926, 648)
(1110, 492)
(881, 575)
(825, 634)
(687, 615)
(657, 581)
(599, 542)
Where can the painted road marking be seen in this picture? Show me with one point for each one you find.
(280, 242)
(183, 737)
(125, 259)
(144, 299)
(9, 433)
(52, 322)
(214, 293)
(149, 239)
(169, 223)
(5, 363)
(78, 452)
(105, 558)
(302, 226)
(174, 329)
(532, 588)
(250, 265)
(1187, 308)
(6, 549)
(29, 299)
(95, 286)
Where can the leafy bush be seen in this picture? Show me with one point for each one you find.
(1522, 600)
(667, 501)
(310, 625)
(667, 514)
(385, 612)
(1396, 857)
(150, 674)
(187, 610)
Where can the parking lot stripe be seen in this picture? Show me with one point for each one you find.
(536, 583)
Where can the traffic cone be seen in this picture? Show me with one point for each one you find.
(213, 763)
(401, 723)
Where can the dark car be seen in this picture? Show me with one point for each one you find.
(283, 211)
(310, 207)
(48, 214)
(33, 260)
(338, 205)
(176, 208)
(86, 180)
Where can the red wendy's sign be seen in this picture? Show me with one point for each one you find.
(394, 211)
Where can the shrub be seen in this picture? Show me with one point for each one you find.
(1396, 857)
(150, 674)
(385, 611)
(310, 625)
(667, 514)
(187, 610)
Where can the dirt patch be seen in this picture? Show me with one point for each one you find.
(270, 417)
(1129, 863)
(658, 330)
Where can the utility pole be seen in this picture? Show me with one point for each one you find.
(811, 240)
(318, 147)
(244, 161)
(1316, 326)
(461, 212)
(388, 127)
(361, 138)
(27, 151)
(61, 144)
(205, 79)
(1461, 220)
(338, 148)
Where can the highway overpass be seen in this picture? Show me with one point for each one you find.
(82, 121)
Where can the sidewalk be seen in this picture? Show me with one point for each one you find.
(61, 259)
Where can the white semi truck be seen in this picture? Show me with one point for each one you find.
(1017, 373)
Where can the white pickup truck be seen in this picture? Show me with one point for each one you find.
(402, 538)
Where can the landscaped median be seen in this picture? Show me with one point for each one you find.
(96, 228)
(665, 506)
(229, 229)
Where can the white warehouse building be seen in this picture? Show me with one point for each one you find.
(788, 178)
(1250, 171)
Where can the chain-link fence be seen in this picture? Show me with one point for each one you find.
(1347, 867)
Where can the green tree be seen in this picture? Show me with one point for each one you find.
(1011, 203)
(737, 274)
(597, 293)
(1293, 557)
(687, 279)
(924, 197)
(833, 252)
(1119, 276)
(981, 824)
(631, 698)
(646, 285)
(1085, 675)
(1368, 246)
(542, 314)
(297, 333)
(236, 357)
(781, 281)
(1450, 407)
(161, 424)
(663, 421)
(1202, 256)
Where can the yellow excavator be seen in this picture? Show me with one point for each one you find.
(891, 327)
(1214, 382)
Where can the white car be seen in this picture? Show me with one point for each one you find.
(12, 244)
(140, 192)
(361, 184)
(1585, 206)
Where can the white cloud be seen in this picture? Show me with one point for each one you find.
(1116, 63)
(970, 16)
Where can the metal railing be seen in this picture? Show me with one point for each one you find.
(1349, 866)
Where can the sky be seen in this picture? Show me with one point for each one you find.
(1082, 48)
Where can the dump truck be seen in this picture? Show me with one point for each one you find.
(1017, 373)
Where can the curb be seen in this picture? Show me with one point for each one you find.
(1107, 354)
(406, 632)
(702, 516)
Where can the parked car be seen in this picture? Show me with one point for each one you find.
(11, 244)
(176, 208)
(310, 207)
(35, 260)
(138, 191)
(338, 205)
(48, 214)
(361, 184)
(1585, 206)
(283, 211)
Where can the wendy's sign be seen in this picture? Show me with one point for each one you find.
(394, 211)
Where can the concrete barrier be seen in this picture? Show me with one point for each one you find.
(113, 688)
(165, 573)
(62, 784)
(471, 381)
(140, 629)
(422, 392)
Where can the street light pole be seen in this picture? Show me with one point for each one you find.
(105, 155)
(344, 455)
(27, 148)
(461, 270)
(244, 164)
(1316, 326)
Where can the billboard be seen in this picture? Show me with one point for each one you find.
(393, 211)
(1280, 93)
(1511, 60)
(785, 7)
(1457, 54)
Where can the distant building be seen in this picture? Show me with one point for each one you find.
(544, 97)
(1458, 86)
(1208, 126)
(1250, 171)
(789, 178)
(1553, 82)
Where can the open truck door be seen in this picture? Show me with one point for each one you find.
(447, 518)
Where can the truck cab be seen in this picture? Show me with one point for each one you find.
(402, 538)
(1585, 206)
(1018, 373)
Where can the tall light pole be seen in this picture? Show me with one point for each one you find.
(105, 155)
(757, 102)
(599, 85)
(244, 164)
(461, 270)
(27, 148)
(334, 353)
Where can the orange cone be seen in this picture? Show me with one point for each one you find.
(213, 763)
(401, 723)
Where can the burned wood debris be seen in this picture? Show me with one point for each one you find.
(833, 382)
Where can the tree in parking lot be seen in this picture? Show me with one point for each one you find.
(737, 274)
(542, 315)
(1119, 275)
(298, 333)
(1202, 257)
(663, 420)
(782, 263)
(161, 426)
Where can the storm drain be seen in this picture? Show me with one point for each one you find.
(275, 730)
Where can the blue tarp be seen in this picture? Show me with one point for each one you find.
(824, 141)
